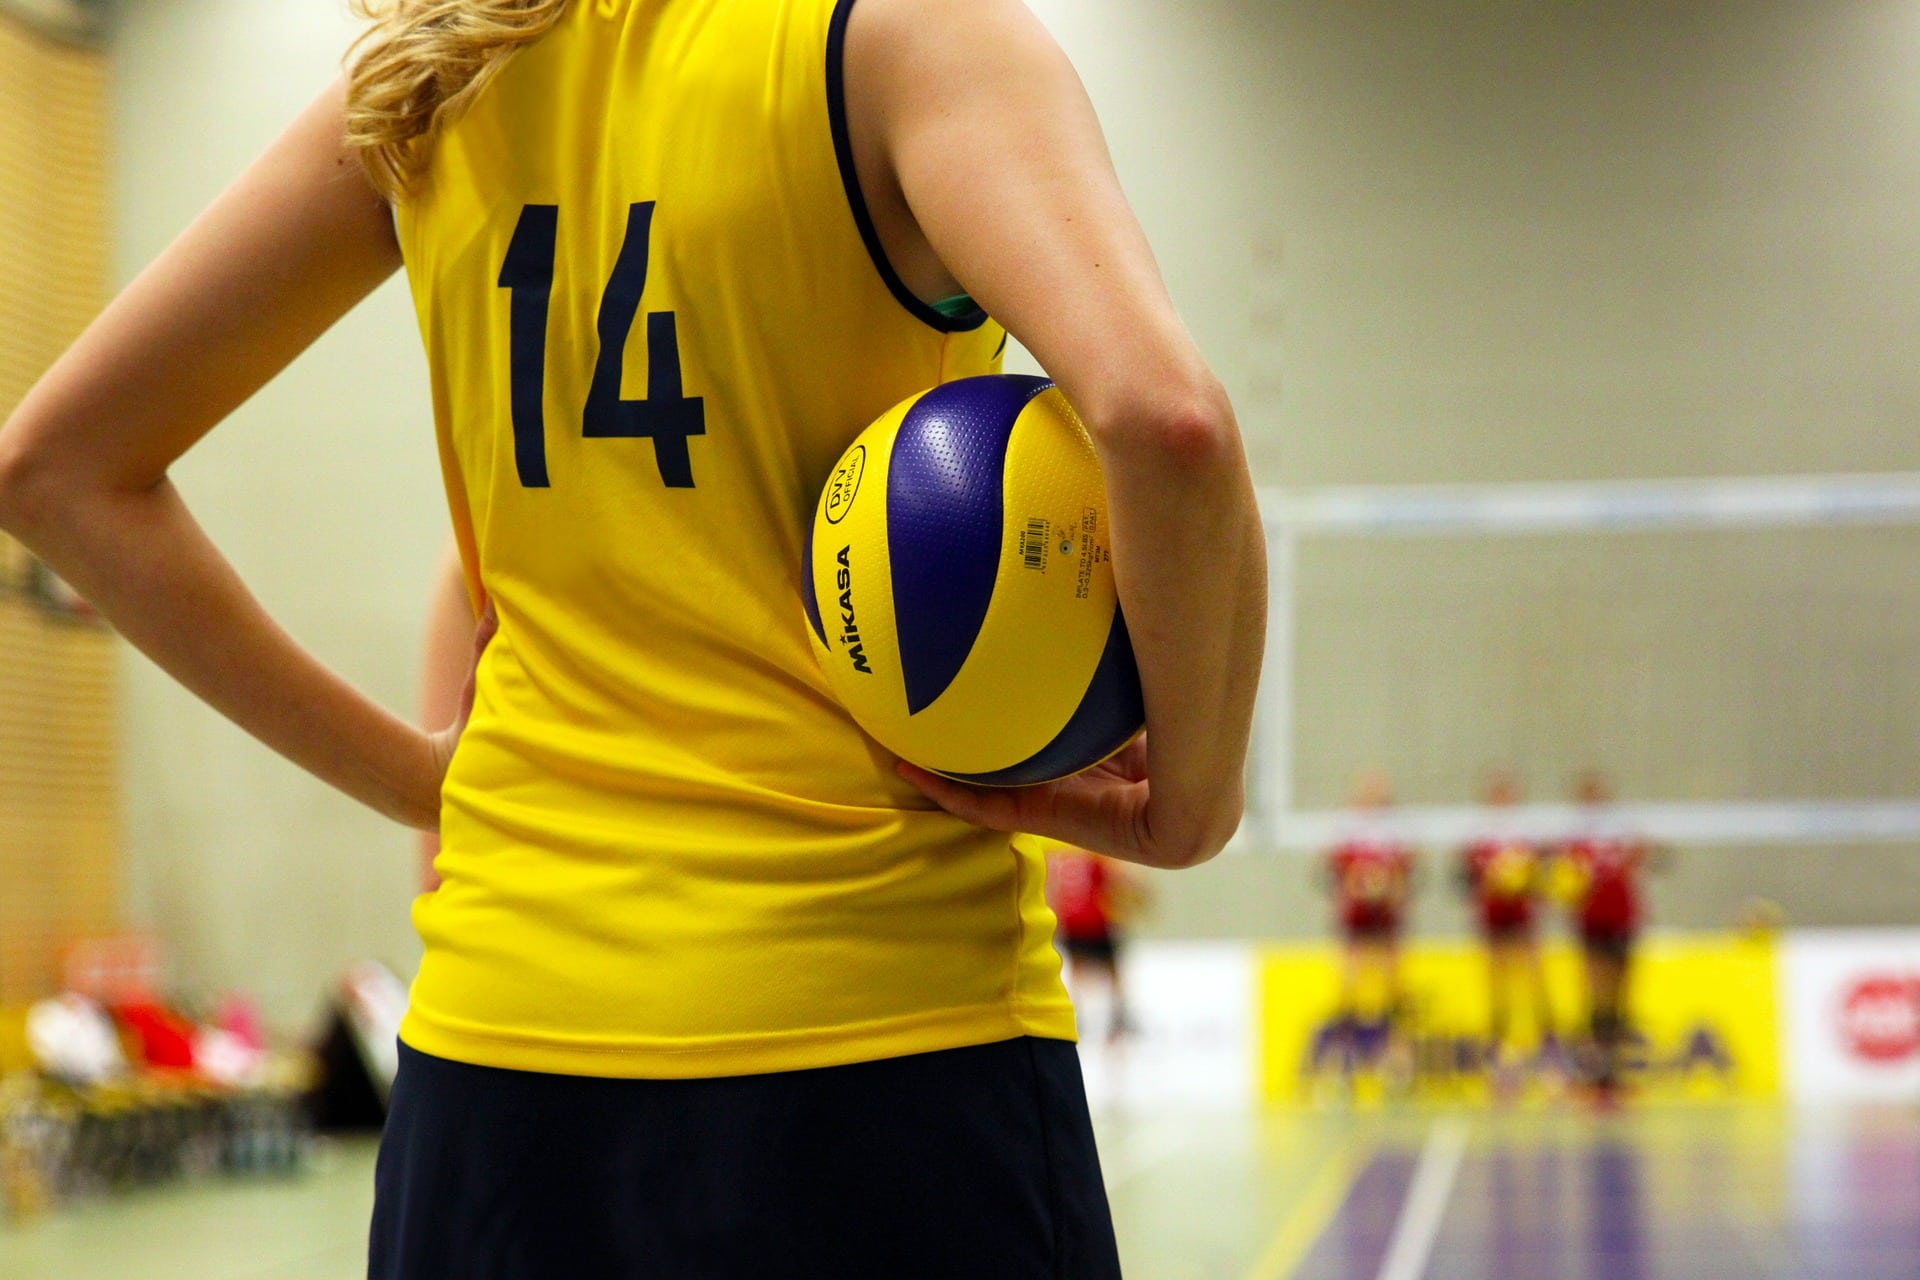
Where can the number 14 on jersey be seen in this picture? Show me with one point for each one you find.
(668, 416)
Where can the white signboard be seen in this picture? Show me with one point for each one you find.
(1188, 1033)
(1852, 1017)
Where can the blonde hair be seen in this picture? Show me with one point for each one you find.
(419, 65)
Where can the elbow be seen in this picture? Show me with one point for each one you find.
(45, 488)
(1187, 857)
(1188, 426)
(1207, 839)
(28, 490)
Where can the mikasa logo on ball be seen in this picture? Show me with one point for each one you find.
(844, 484)
(849, 629)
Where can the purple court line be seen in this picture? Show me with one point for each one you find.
(1355, 1242)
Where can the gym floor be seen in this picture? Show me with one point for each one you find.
(1680, 1193)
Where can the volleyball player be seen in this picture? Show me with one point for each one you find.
(1091, 898)
(1503, 875)
(1370, 876)
(1601, 868)
(709, 987)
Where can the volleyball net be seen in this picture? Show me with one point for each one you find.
(1736, 643)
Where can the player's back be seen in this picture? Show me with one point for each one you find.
(654, 321)
(1608, 868)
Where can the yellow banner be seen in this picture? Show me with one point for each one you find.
(1702, 1012)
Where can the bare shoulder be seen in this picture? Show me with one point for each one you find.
(947, 46)
(924, 80)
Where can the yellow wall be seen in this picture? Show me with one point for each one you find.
(59, 830)
(1422, 242)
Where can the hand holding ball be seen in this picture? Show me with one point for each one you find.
(959, 587)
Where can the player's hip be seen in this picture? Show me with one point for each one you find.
(970, 1162)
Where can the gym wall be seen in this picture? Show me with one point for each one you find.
(1471, 242)
(1522, 242)
(324, 490)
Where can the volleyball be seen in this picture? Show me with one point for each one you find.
(959, 583)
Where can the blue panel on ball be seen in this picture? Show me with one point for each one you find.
(944, 516)
(807, 596)
(1110, 712)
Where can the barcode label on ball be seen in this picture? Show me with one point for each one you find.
(1033, 545)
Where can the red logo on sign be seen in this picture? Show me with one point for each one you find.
(1880, 1019)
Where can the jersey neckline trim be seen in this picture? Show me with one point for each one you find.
(850, 179)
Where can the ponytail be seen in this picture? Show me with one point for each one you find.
(419, 65)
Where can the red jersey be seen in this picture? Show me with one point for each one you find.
(1505, 878)
(1609, 869)
(1077, 887)
(1370, 884)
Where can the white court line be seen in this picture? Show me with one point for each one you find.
(1419, 1225)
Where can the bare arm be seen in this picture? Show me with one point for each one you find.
(982, 158)
(446, 663)
(293, 245)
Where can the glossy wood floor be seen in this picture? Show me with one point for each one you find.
(1652, 1193)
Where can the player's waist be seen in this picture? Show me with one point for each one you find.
(786, 961)
(704, 870)
(620, 1052)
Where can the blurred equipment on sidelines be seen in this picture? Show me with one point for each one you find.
(358, 1049)
(111, 1086)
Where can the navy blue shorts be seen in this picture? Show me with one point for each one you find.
(967, 1164)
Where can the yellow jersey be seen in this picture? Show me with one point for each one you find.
(655, 312)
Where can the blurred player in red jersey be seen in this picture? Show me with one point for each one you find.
(1093, 897)
(1600, 871)
(1370, 875)
(1505, 874)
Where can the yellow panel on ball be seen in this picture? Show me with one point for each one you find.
(857, 647)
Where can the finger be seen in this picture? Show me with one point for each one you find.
(483, 634)
(1130, 762)
(978, 805)
(485, 629)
